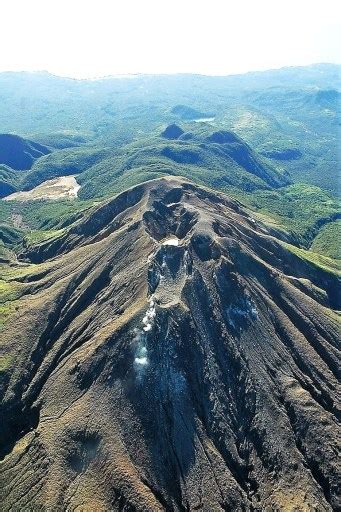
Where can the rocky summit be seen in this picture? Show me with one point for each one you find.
(171, 353)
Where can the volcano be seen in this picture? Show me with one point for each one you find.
(170, 353)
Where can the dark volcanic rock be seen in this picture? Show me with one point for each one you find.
(170, 354)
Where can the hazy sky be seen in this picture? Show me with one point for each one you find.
(88, 38)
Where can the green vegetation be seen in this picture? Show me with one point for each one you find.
(9, 291)
(9, 180)
(6, 254)
(10, 235)
(38, 215)
(62, 162)
(36, 236)
(186, 113)
(282, 162)
(328, 240)
(328, 264)
(19, 153)
(199, 159)
(294, 129)
(300, 208)
(5, 311)
(5, 361)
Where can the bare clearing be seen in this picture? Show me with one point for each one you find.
(64, 187)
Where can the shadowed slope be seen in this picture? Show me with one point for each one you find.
(170, 354)
(19, 153)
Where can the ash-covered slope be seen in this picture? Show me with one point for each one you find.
(170, 354)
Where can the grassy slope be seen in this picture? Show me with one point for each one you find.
(12, 292)
(328, 240)
(301, 208)
(324, 262)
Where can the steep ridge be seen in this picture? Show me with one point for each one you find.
(170, 353)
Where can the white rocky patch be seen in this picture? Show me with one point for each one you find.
(141, 360)
(141, 356)
(171, 241)
(62, 187)
(74, 191)
(204, 120)
(148, 319)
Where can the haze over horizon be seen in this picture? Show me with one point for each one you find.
(98, 39)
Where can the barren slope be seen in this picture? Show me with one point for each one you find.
(57, 188)
(196, 374)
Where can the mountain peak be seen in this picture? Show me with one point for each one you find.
(171, 330)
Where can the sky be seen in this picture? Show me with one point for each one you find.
(93, 38)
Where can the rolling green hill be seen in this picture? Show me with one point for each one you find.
(269, 139)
